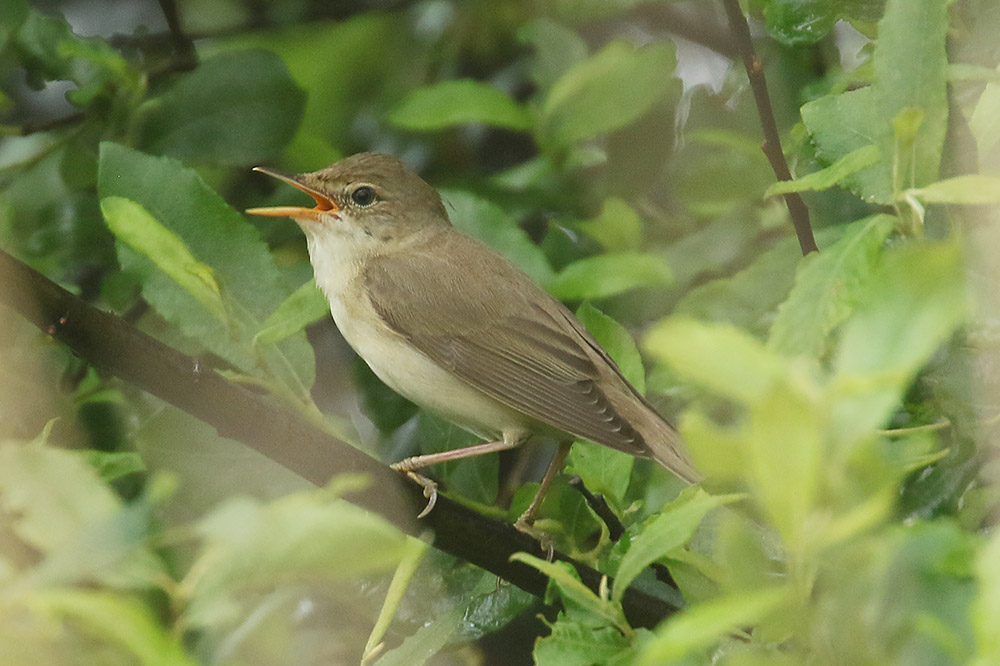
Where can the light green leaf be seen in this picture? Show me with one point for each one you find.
(605, 275)
(575, 595)
(120, 621)
(238, 107)
(827, 286)
(306, 305)
(242, 266)
(911, 71)
(671, 528)
(916, 301)
(450, 103)
(304, 536)
(54, 493)
(986, 608)
(572, 643)
(985, 122)
(618, 227)
(700, 626)
(970, 189)
(491, 224)
(832, 175)
(719, 357)
(425, 642)
(587, 100)
(133, 225)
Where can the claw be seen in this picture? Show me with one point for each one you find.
(524, 526)
(430, 487)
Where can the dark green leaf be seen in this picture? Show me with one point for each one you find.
(216, 236)
(473, 478)
(237, 108)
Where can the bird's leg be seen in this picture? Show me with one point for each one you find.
(409, 466)
(526, 522)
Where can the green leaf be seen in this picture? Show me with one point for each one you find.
(700, 626)
(605, 275)
(249, 281)
(910, 73)
(120, 621)
(427, 641)
(113, 465)
(491, 224)
(572, 643)
(969, 189)
(827, 287)
(670, 529)
(587, 100)
(618, 227)
(719, 357)
(235, 108)
(985, 122)
(617, 341)
(306, 305)
(916, 301)
(557, 48)
(54, 493)
(306, 536)
(577, 597)
(843, 124)
(473, 478)
(832, 175)
(986, 609)
(133, 225)
(451, 103)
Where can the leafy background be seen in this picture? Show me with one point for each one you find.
(843, 406)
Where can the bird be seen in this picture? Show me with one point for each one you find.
(455, 327)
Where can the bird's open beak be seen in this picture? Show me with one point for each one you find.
(323, 203)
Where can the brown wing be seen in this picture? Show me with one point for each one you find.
(505, 336)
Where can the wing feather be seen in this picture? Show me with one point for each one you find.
(479, 317)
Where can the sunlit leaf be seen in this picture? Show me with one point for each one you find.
(827, 286)
(306, 305)
(671, 528)
(459, 102)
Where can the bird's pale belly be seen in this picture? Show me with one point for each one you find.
(416, 377)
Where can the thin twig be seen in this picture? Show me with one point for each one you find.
(115, 347)
(772, 142)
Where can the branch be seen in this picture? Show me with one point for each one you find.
(772, 142)
(116, 347)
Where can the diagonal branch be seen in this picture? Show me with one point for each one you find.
(114, 346)
(772, 141)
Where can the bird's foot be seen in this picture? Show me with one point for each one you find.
(429, 485)
(526, 525)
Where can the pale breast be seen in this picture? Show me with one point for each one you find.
(409, 372)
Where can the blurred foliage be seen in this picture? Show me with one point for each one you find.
(843, 406)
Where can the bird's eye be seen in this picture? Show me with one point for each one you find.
(364, 195)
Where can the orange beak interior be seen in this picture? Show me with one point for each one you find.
(323, 202)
